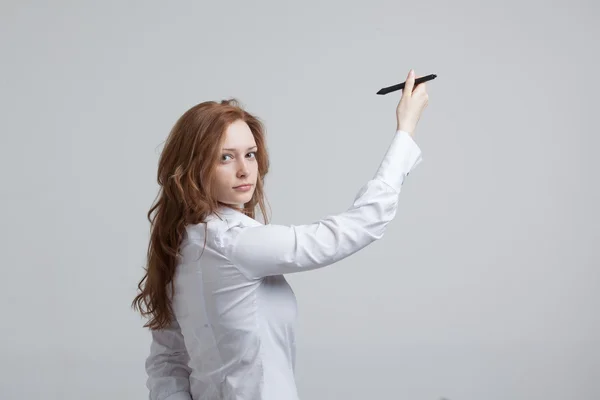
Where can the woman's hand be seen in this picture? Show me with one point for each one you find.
(412, 103)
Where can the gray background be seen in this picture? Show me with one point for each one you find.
(486, 284)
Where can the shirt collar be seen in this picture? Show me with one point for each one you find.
(235, 216)
(228, 211)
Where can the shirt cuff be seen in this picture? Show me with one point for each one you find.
(402, 156)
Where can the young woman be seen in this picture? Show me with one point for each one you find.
(222, 313)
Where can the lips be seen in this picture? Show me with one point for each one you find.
(246, 185)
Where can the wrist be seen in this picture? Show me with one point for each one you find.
(411, 133)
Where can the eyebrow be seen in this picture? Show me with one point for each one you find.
(249, 148)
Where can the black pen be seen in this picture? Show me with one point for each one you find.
(399, 86)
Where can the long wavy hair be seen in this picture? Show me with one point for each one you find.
(187, 196)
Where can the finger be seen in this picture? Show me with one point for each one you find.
(416, 85)
(421, 87)
(410, 81)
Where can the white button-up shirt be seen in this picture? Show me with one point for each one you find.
(233, 336)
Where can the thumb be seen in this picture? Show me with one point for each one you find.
(410, 82)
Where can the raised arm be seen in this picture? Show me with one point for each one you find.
(277, 249)
(167, 365)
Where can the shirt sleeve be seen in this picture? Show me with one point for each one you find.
(167, 365)
(264, 250)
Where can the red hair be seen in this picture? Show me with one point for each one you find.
(187, 195)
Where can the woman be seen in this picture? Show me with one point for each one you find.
(222, 313)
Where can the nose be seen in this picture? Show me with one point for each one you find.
(243, 169)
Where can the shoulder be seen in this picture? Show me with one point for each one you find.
(218, 228)
(210, 228)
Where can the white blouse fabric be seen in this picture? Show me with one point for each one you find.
(234, 337)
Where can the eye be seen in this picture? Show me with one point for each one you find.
(229, 155)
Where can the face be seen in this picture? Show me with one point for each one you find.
(237, 165)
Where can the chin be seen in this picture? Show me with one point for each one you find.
(242, 199)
